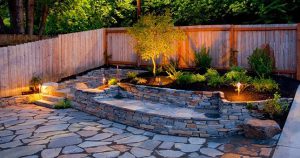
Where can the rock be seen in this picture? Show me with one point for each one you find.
(211, 152)
(21, 151)
(139, 152)
(260, 129)
(64, 141)
(81, 86)
(100, 136)
(107, 154)
(170, 153)
(169, 138)
(50, 153)
(166, 145)
(127, 155)
(265, 152)
(98, 149)
(194, 140)
(231, 155)
(187, 147)
(58, 127)
(49, 87)
(132, 139)
(72, 149)
(87, 144)
(87, 133)
(149, 144)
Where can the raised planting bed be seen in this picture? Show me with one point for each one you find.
(168, 111)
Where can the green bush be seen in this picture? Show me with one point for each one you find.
(35, 82)
(202, 58)
(261, 62)
(275, 107)
(188, 78)
(213, 78)
(63, 104)
(237, 74)
(131, 74)
(173, 74)
(264, 85)
(112, 81)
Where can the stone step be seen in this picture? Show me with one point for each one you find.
(62, 92)
(45, 103)
(52, 98)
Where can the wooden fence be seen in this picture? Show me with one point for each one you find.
(52, 59)
(220, 39)
(70, 54)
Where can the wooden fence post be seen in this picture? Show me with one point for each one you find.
(298, 51)
(104, 42)
(233, 61)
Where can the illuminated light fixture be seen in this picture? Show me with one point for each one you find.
(238, 86)
(48, 88)
(103, 81)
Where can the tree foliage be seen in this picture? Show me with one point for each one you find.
(155, 36)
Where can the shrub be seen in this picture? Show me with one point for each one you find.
(173, 74)
(34, 97)
(131, 74)
(264, 85)
(261, 61)
(202, 58)
(275, 107)
(140, 80)
(63, 104)
(188, 78)
(237, 74)
(35, 82)
(112, 81)
(213, 78)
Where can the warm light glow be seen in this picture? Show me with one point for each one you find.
(103, 80)
(238, 85)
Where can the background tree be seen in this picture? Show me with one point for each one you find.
(155, 36)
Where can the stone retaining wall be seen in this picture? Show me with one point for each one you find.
(232, 114)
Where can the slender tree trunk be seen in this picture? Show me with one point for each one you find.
(20, 16)
(45, 13)
(138, 6)
(30, 17)
(154, 66)
(13, 15)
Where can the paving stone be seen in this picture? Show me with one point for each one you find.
(104, 121)
(73, 156)
(211, 152)
(139, 152)
(87, 133)
(6, 133)
(170, 153)
(88, 144)
(107, 154)
(118, 125)
(50, 153)
(187, 147)
(100, 136)
(121, 148)
(6, 139)
(166, 145)
(194, 155)
(58, 127)
(64, 141)
(194, 140)
(135, 130)
(127, 155)
(226, 147)
(11, 144)
(132, 139)
(213, 144)
(113, 130)
(40, 142)
(150, 134)
(72, 149)
(149, 144)
(98, 149)
(22, 151)
(23, 136)
(31, 156)
(24, 131)
(90, 128)
(117, 137)
(168, 138)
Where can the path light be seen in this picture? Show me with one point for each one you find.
(103, 80)
(238, 85)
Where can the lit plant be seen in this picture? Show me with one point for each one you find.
(238, 78)
(35, 83)
(34, 97)
(264, 85)
(155, 36)
(213, 78)
(275, 107)
(202, 58)
(112, 81)
(173, 74)
(188, 78)
(131, 74)
(63, 104)
(140, 80)
(261, 61)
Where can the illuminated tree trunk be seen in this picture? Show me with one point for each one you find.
(154, 66)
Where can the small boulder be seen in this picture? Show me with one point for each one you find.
(260, 129)
(81, 86)
(49, 87)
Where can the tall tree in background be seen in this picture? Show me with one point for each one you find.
(30, 17)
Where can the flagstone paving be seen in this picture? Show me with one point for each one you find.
(30, 130)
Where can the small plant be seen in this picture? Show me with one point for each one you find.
(35, 82)
(275, 107)
(63, 104)
(213, 78)
(262, 61)
(264, 85)
(173, 74)
(202, 58)
(250, 106)
(34, 97)
(140, 80)
(112, 81)
(131, 74)
(237, 75)
(188, 78)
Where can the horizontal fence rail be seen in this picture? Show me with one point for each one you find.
(70, 54)
(51, 59)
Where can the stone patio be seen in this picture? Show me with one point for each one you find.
(28, 130)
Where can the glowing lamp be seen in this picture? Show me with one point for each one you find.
(103, 80)
(48, 88)
(238, 86)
